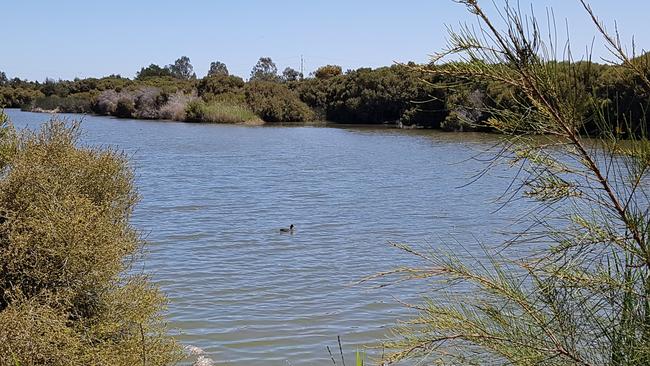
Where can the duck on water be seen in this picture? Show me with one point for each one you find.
(290, 229)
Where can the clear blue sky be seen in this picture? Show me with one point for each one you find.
(82, 38)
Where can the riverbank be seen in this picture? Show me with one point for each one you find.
(410, 96)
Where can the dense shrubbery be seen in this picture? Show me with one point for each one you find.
(403, 94)
(274, 102)
(388, 94)
(65, 248)
(73, 103)
(219, 83)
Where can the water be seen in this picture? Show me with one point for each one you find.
(215, 196)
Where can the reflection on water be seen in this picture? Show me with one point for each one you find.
(215, 196)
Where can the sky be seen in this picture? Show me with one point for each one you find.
(65, 39)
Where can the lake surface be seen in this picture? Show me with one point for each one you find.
(215, 196)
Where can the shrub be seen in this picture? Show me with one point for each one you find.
(276, 103)
(125, 107)
(148, 101)
(73, 103)
(175, 107)
(218, 84)
(106, 102)
(65, 248)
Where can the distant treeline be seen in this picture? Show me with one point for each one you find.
(408, 95)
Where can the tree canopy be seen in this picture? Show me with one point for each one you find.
(264, 70)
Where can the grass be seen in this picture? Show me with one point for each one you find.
(219, 112)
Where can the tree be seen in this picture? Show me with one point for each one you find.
(218, 68)
(264, 70)
(3, 78)
(290, 74)
(218, 84)
(583, 297)
(152, 70)
(328, 71)
(182, 69)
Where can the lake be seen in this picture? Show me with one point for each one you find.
(215, 196)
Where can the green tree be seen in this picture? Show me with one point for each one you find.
(218, 68)
(328, 71)
(264, 70)
(583, 298)
(290, 74)
(3, 78)
(182, 69)
(153, 70)
(218, 84)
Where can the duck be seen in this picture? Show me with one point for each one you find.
(287, 230)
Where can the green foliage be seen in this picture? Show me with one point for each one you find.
(16, 97)
(264, 70)
(274, 102)
(219, 83)
(65, 249)
(73, 103)
(182, 69)
(218, 68)
(153, 70)
(219, 111)
(583, 296)
(328, 71)
(290, 75)
(376, 96)
(125, 107)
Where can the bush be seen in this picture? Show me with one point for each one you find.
(219, 84)
(73, 103)
(65, 246)
(147, 103)
(175, 107)
(125, 107)
(276, 103)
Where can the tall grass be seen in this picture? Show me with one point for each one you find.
(216, 111)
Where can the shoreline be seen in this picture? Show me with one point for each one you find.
(255, 122)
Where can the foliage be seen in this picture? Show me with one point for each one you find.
(328, 71)
(376, 96)
(125, 107)
(409, 95)
(65, 250)
(182, 69)
(174, 108)
(290, 74)
(153, 70)
(73, 103)
(218, 84)
(274, 102)
(584, 297)
(264, 70)
(218, 111)
(218, 68)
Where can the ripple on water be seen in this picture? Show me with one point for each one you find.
(214, 197)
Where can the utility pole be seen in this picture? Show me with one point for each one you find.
(302, 67)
